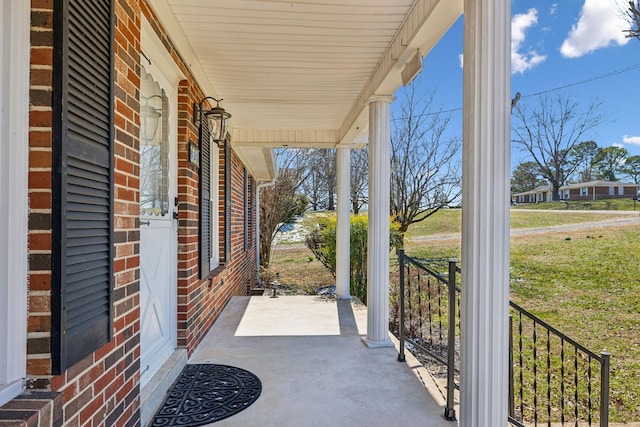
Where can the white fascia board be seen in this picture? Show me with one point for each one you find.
(424, 25)
(285, 138)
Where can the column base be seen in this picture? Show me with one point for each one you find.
(344, 297)
(377, 344)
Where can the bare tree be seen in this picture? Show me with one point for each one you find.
(282, 201)
(326, 167)
(320, 185)
(359, 178)
(425, 171)
(633, 14)
(313, 186)
(550, 130)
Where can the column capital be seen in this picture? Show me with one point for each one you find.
(381, 98)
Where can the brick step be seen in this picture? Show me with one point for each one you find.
(32, 409)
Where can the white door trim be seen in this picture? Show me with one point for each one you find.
(14, 167)
(160, 65)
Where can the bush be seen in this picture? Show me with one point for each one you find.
(322, 242)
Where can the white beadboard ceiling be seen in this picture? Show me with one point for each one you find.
(299, 72)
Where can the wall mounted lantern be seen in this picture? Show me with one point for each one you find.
(149, 119)
(216, 118)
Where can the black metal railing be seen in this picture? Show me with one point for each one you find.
(552, 378)
(423, 302)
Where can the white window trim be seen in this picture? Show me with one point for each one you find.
(584, 191)
(612, 190)
(14, 209)
(214, 198)
(621, 190)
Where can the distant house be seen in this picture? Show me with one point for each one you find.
(591, 190)
(542, 193)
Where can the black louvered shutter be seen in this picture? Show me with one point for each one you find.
(245, 195)
(205, 200)
(82, 218)
(227, 202)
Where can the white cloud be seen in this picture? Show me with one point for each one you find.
(634, 140)
(523, 61)
(600, 25)
(615, 144)
(554, 8)
(461, 59)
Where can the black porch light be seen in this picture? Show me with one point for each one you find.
(216, 117)
(149, 119)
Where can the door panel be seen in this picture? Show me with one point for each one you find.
(158, 229)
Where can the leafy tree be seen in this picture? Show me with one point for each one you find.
(359, 178)
(548, 132)
(582, 156)
(425, 172)
(631, 169)
(526, 176)
(280, 203)
(609, 162)
(633, 13)
(322, 242)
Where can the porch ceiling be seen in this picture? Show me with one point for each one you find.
(299, 72)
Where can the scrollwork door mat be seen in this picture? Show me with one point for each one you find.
(204, 394)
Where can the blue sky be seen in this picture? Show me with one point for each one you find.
(556, 44)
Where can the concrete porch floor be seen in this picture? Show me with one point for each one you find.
(314, 368)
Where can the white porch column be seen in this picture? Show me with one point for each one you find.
(343, 250)
(485, 214)
(378, 241)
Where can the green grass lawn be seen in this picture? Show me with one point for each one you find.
(612, 205)
(450, 221)
(587, 285)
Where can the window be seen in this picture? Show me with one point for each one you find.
(14, 127)
(612, 190)
(621, 190)
(584, 191)
(82, 193)
(566, 194)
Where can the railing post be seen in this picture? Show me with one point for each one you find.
(449, 411)
(604, 388)
(400, 253)
(512, 399)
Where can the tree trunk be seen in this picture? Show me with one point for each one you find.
(556, 191)
(355, 205)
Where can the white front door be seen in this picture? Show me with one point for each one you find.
(158, 228)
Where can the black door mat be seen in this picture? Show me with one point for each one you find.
(204, 394)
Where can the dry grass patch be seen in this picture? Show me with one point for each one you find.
(296, 266)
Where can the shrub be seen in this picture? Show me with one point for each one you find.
(322, 242)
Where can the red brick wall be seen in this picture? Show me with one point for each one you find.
(40, 140)
(200, 302)
(103, 389)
